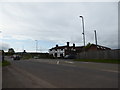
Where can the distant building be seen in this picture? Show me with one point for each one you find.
(62, 51)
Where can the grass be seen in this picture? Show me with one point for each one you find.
(114, 61)
(5, 63)
(0, 64)
(26, 56)
(41, 56)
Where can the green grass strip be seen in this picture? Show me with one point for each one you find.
(114, 61)
(5, 63)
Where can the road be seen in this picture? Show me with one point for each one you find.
(63, 74)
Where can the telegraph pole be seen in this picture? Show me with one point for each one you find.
(36, 45)
(95, 37)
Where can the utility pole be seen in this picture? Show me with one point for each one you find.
(23, 48)
(95, 37)
(36, 45)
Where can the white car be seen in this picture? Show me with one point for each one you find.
(16, 57)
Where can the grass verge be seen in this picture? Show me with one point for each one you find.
(5, 63)
(114, 61)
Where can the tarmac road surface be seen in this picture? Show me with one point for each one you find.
(42, 74)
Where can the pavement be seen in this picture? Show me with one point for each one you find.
(48, 73)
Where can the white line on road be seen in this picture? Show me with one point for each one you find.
(58, 62)
(110, 71)
(69, 62)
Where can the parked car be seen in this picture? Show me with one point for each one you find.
(36, 57)
(70, 57)
(16, 57)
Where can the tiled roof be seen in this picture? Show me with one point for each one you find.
(100, 46)
(78, 47)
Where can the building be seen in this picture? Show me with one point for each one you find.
(62, 51)
(93, 47)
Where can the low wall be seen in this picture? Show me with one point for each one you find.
(108, 54)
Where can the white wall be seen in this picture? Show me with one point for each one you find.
(59, 51)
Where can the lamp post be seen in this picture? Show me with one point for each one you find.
(95, 37)
(83, 30)
(36, 45)
(83, 35)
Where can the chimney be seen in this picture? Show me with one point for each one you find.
(73, 45)
(67, 44)
(56, 45)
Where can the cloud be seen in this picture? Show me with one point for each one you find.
(59, 1)
(60, 22)
(4, 46)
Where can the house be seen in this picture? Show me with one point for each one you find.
(93, 47)
(62, 51)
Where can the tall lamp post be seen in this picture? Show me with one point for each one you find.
(36, 45)
(95, 37)
(83, 30)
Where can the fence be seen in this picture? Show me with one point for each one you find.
(107, 54)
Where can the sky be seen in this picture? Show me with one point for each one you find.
(51, 23)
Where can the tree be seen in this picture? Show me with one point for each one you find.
(24, 51)
(88, 45)
(11, 51)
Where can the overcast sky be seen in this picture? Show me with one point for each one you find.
(54, 23)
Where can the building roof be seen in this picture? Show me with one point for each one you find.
(81, 47)
(99, 47)
(62, 47)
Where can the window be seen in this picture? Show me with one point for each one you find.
(61, 55)
(55, 54)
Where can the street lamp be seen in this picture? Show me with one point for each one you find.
(36, 45)
(95, 37)
(83, 30)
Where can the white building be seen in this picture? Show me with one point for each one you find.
(62, 51)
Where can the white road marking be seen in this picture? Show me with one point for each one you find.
(58, 62)
(69, 62)
(110, 71)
